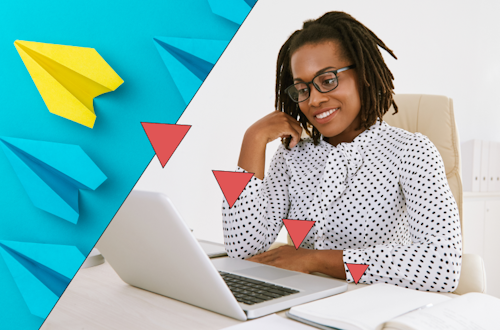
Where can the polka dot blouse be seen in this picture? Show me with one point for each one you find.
(383, 199)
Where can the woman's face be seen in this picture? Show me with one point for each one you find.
(312, 59)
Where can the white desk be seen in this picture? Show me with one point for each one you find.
(98, 299)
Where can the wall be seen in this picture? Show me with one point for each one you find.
(446, 47)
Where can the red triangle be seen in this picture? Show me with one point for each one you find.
(298, 229)
(165, 138)
(357, 270)
(232, 184)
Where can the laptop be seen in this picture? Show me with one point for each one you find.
(150, 247)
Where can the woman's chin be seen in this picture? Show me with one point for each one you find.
(329, 134)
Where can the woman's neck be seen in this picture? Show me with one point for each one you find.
(348, 135)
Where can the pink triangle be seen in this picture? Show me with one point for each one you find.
(298, 229)
(165, 138)
(232, 184)
(357, 270)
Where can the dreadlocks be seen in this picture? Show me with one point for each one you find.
(359, 44)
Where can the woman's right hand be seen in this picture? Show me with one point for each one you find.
(253, 149)
(275, 125)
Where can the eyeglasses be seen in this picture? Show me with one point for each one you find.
(324, 82)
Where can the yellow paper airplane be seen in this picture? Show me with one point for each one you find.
(68, 78)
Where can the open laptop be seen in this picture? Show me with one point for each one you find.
(150, 247)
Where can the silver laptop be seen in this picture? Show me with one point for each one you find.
(150, 247)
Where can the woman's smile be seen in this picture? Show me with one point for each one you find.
(325, 115)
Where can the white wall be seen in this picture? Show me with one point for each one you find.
(443, 47)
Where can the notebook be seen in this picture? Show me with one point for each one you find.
(388, 307)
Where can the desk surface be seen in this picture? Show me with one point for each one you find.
(98, 299)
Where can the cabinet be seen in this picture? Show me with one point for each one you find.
(481, 222)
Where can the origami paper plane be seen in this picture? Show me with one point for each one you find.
(234, 10)
(189, 61)
(41, 271)
(52, 173)
(68, 78)
(165, 138)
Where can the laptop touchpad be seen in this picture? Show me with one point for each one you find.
(266, 273)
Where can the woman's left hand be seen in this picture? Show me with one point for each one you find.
(287, 257)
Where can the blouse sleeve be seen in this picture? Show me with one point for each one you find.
(433, 261)
(254, 221)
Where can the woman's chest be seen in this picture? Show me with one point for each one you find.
(364, 210)
(344, 188)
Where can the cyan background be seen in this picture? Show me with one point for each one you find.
(122, 32)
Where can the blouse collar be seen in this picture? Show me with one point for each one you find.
(365, 136)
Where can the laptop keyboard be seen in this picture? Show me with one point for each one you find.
(250, 291)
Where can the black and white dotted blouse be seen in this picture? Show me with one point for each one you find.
(383, 199)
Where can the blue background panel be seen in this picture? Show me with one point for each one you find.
(122, 33)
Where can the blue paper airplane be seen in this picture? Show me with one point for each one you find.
(189, 61)
(234, 10)
(52, 173)
(41, 271)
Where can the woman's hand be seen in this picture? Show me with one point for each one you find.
(253, 149)
(287, 257)
(275, 125)
(329, 262)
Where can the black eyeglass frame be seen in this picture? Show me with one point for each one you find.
(287, 90)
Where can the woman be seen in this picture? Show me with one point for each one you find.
(379, 194)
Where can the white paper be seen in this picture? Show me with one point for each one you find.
(366, 308)
(273, 322)
(472, 311)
